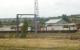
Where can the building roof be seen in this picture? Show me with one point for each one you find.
(21, 24)
(53, 20)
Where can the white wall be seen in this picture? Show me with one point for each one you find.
(53, 28)
(6, 28)
(59, 28)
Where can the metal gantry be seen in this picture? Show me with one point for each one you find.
(36, 14)
(18, 15)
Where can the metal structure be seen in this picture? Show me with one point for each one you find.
(18, 15)
(36, 12)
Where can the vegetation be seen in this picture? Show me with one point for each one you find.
(24, 28)
(41, 41)
(65, 17)
(42, 22)
(1, 25)
(39, 44)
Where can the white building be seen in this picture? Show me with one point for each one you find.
(7, 28)
(59, 25)
(21, 24)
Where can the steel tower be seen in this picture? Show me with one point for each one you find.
(36, 12)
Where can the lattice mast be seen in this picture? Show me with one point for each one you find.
(36, 12)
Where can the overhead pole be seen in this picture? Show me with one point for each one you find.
(17, 22)
(36, 12)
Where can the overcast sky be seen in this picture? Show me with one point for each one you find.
(47, 8)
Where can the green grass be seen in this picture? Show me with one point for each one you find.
(44, 35)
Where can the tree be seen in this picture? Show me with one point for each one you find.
(42, 21)
(65, 17)
(24, 28)
(1, 24)
(13, 22)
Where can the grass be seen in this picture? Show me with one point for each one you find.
(48, 41)
(39, 44)
(71, 36)
(38, 48)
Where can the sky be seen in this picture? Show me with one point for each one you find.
(47, 8)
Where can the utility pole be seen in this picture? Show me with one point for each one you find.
(36, 12)
(17, 22)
